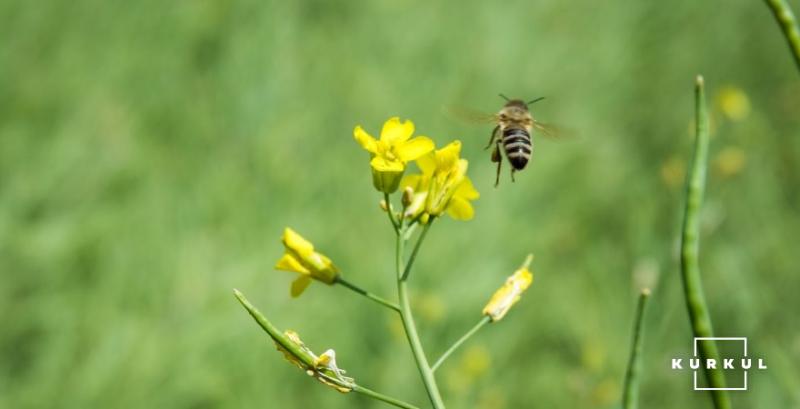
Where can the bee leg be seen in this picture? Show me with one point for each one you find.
(497, 157)
(491, 138)
(512, 175)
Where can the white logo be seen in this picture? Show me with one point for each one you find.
(696, 363)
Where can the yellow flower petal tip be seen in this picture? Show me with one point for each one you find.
(390, 154)
(510, 293)
(300, 257)
(365, 140)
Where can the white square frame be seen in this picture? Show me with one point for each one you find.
(694, 373)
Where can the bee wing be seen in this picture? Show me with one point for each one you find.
(470, 115)
(548, 130)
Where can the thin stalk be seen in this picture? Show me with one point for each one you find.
(410, 228)
(381, 397)
(395, 225)
(485, 320)
(630, 394)
(273, 332)
(365, 293)
(411, 329)
(785, 17)
(414, 252)
(690, 251)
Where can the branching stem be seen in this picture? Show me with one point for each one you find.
(408, 324)
(380, 300)
(485, 320)
(414, 252)
(381, 397)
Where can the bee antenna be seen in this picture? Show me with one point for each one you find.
(534, 100)
(504, 97)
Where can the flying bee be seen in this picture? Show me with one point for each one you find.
(513, 131)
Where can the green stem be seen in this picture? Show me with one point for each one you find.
(365, 293)
(630, 394)
(414, 252)
(381, 397)
(411, 330)
(690, 250)
(389, 212)
(783, 13)
(485, 320)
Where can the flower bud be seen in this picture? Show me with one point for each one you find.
(408, 196)
(508, 295)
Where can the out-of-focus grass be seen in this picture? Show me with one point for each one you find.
(151, 153)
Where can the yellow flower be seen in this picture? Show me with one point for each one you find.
(508, 295)
(300, 257)
(391, 153)
(443, 185)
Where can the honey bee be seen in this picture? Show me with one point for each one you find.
(513, 131)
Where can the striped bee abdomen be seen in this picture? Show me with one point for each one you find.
(518, 146)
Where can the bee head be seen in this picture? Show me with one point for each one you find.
(518, 103)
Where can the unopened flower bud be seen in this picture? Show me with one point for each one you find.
(408, 196)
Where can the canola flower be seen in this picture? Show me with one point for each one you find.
(443, 186)
(511, 291)
(392, 151)
(301, 258)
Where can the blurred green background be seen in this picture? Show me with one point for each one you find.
(152, 152)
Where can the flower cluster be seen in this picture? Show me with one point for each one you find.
(442, 186)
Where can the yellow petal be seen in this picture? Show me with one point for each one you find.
(394, 131)
(448, 156)
(382, 164)
(427, 163)
(467, 190)
(460, 209)
(414, 148)
(365, 140)
(297, 243)
(289, 263)
(299, 285)
(411, 181)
